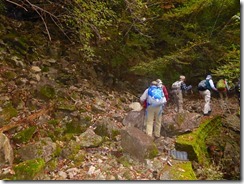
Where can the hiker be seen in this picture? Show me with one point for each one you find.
(160, 84)
(223, 88)
(165, 91)
(204, 88)
(177, 88)
(155, 102)
(238, 90)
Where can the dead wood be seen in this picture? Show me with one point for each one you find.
(28, 119)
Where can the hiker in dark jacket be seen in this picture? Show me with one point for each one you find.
(206, 94)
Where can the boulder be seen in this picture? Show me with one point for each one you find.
(138, 144)
(135, 119)
(89, 139)
(6, 150)
(180, 123)
(45, 149)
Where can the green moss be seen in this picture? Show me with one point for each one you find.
(52, 164)
(45, 69)
(102, 130)
(194, 142)
(65, 105)
(9, 111)
(124, 161)
(182, 171)
(114, 133)
(153, 152)
(25, 135)
(47, 92)
(9, 75)
(29, 169)
(53, 122)
(73, 127)
(58, 151)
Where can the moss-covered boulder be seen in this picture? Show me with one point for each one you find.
(29, 169)
(8, 112)
(45, 149)
(89, 139)
(194, 143)
(25, 135)
(47, 92)
(178, 171)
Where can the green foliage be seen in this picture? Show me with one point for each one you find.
(155, 38)
(90, 19)
(229, 66)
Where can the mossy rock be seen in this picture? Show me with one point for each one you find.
(65, 105)
(47, 92)
(25, 135)
(9, 75)
(194, 143)
(29, 169)
(178, 171)
(71, 149)
(73, 127)
(9, 111)
(153, 152)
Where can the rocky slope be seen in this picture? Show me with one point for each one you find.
(48, 95)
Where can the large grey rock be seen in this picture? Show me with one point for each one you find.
(135, 119)
(89, 139)
(176, 124)
(45, 148)
(6, 150)
(138, 144)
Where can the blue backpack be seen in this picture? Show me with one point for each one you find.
(155, 96)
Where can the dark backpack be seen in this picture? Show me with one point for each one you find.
(155, 96)
(202, 86)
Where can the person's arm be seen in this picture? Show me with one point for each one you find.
(227, 86)
(184, 87)
(144, 96)
(212, 85)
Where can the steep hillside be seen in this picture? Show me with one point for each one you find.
(49, 94)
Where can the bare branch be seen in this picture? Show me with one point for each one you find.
(17, 4)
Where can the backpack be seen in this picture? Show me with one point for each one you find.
(155, 96)
(202, 86)
(176, 85)
(221, 85)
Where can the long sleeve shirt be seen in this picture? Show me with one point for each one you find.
(144, 96)
(184, 87)
(212, 85)
(166, 94)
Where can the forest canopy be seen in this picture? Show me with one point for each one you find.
(154, 38)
